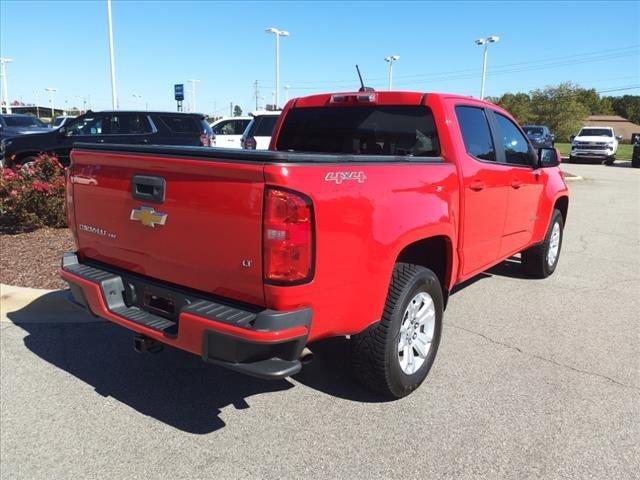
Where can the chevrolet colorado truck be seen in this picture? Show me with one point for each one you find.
(366, 211)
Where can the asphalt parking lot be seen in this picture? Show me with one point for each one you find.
(534, 379)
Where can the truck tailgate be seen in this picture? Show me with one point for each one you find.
(205, 234)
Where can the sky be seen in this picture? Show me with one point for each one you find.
(64, 45)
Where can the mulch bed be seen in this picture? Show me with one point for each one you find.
(32, 259)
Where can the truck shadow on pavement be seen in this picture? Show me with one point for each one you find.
(174, 387)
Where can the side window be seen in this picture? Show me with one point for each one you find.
(474, 128)
(225, 128)
(130, 124)
(516, 146)
(89, 126)
(181, 124)
(240, 126)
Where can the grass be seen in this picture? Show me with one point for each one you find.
(624, 150)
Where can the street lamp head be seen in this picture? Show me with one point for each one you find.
(481, 41)
(392, 58)
(280, 33)
(493, 39)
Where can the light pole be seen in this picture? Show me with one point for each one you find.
(51, 91)
(286, 93)
(193, 94)
(5, 94)
(278, 34)
(485, 42)
(138, 97)
(114, 95)
(391, 59)
(80, 100)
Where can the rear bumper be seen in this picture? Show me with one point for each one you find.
(262, 343)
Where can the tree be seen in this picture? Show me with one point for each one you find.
(596, 104)
(560, 108)
(518, 104)
(237, 111)
(627, 106)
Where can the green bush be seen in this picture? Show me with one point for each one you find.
(33, 196)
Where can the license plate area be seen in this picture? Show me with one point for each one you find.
(161, 305)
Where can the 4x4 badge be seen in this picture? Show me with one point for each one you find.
(148, 216)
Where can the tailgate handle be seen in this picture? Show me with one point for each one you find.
(144, 187)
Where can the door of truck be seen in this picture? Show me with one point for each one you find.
(525, 185)
(484, 191)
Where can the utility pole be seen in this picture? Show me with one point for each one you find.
(256, 93)
(51, 92)
(231, 109)
(193, 94)
(114, 95)
(5, 94)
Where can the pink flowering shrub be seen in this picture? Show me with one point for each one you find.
(33, 196)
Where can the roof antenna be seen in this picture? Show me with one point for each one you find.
(362, 87)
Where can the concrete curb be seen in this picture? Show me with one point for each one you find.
(32, 305)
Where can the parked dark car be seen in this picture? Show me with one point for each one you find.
(146, 128)
(13, 124)
(635, 158)
(539, 136)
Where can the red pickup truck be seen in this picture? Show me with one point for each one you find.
(368, 208)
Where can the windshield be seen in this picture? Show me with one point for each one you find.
(533, 131)
(595, 132)
(59, 121)
(25, 121)
(368, 130)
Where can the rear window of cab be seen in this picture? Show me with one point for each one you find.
(400, 130)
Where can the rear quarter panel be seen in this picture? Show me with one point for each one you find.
(362, 224)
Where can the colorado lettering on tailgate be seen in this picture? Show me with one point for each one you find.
(257, 260)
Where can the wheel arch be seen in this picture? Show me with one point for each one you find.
(562, 204)
(434, 253)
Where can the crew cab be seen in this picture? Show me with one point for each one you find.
(600, 143)
(130, 127)
(363, 215)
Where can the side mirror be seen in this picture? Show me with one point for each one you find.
(548, 157)
(553, 137)
(571, 137)
(619, 137)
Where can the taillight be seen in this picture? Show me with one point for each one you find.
(250, 143)
(206, 140)
(288, 237)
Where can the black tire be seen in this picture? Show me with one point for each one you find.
(570, 159)
(375, 351)
(535, 259)
(635, 162)
(609, 161)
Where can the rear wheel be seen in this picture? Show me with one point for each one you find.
(609, 160)
(541, 260)
(395, 355)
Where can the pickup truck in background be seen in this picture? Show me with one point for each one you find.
(368, 208)
(600, 143)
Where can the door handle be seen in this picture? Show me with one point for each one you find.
(101, 140)
(516, 184)
(476, 185)
(145, 187)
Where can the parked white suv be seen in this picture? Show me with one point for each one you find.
(595, 142)
(257, 136)
(228, 131)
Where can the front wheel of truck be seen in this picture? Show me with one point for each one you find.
(541, 260)
(395, 355)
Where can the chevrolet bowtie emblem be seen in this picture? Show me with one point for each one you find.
(148, 216)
